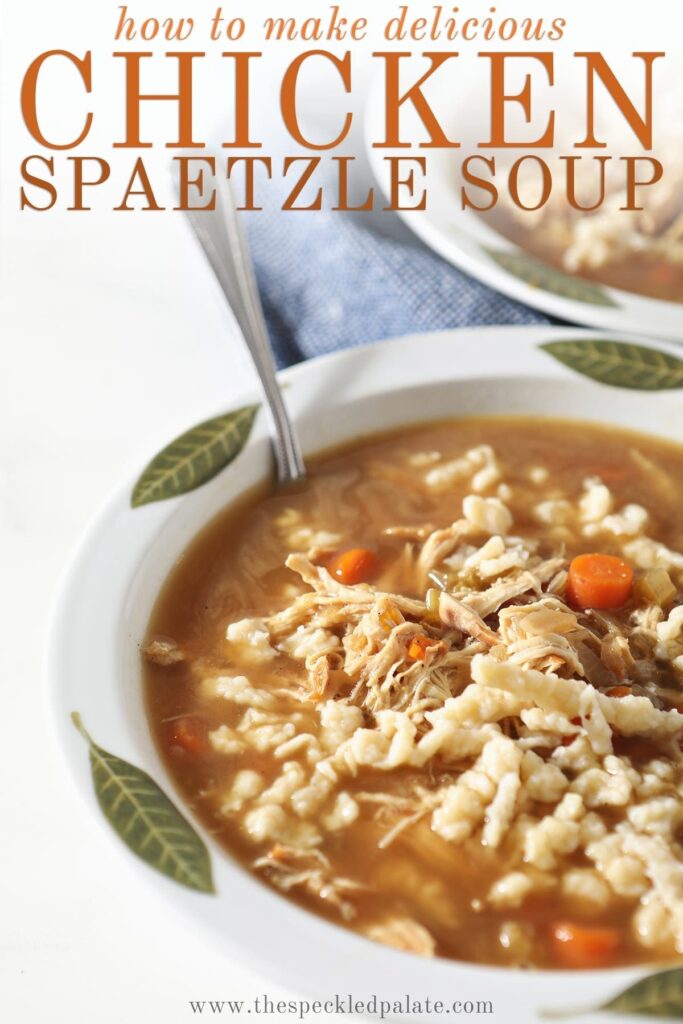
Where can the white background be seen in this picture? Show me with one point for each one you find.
(114, 338)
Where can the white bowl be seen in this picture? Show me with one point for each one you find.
(471, 243)
(110, 587)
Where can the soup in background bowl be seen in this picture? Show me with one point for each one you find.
(639, 251)
(111, 594)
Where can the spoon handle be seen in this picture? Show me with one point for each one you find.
(220, 235)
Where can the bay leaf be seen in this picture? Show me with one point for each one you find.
(145, 819)
(657, 995)
(194, 457)
(549, 279)
(620, 364)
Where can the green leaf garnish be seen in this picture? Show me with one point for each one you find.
(194, 457)
(143, 816)
(620, 364)
(656, 995)
(540, 275)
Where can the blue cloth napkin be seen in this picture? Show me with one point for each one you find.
(334, 280)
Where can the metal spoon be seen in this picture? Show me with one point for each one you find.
(220, 235)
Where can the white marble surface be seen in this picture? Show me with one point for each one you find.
(113, 338)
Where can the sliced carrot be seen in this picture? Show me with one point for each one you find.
(664, 274)
(583, 945)
(278, 852)
(619, 691)
(599, 581)
(419, 645)
(187, 734)
(357, 565)
(390, 618)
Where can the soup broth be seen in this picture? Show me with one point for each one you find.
(649, 271)
(432, 725)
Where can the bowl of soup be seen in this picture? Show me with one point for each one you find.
(421, 713)
(558, 229)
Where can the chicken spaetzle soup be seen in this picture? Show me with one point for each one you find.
(436, 693)
(636, 250)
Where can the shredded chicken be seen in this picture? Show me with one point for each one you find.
(440, 544)
(498, 715)
(163, 652)
(289, 868)
(459, 616)
(403, 933)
